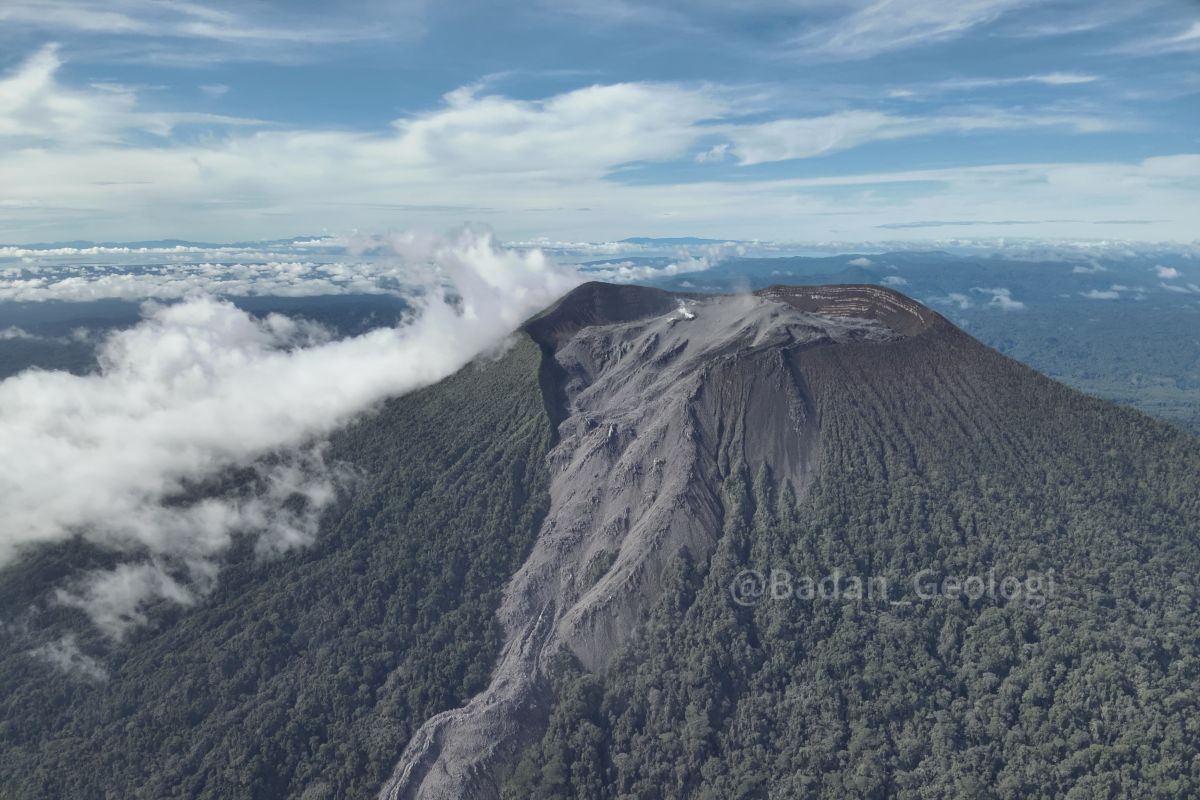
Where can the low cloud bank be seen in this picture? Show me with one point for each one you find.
(1001, 298)
(199, 387)
(685, 261)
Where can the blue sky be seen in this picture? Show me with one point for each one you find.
(801, 121)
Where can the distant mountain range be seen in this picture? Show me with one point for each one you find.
(162, 243)
(670, 241)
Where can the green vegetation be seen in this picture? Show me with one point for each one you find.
(924, 464)
(1148, 358)
(309, 673)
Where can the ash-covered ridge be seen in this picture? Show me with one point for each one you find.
(902, 314)
(657, 398)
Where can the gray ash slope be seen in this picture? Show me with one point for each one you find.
(656, 396)
(919, 449)
(659, 399)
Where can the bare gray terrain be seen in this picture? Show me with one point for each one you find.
(659, 395)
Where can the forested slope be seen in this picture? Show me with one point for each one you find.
(306, 674)
(935, 453)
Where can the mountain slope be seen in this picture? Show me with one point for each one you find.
(820, 429)
(935, 453)
(307, 674)
(527, 591)
(656, 406)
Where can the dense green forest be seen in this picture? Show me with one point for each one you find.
(1147, 358)
(924, 465)
(309, 673)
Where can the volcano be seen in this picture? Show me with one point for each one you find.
(805, 542)
(682, 421)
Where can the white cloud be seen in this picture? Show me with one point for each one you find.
(66, 656)
(200, 386)
(59, 14)
(1091, 269)
(32, 104)
(957, 299)
(13, 333)
(1179, 41)
(684, 262)
(1045, 79)
(1166, 273)
(718, 152)
(1061, 78)
(862, 261)
(1189, 37)
(1001, 299)
(12, 251)
(887, 25)
(818, 29)
(578, 133)
(36, 108)
(211, 22)
(215, 90)
(115, 598)
(1101, 294)
(276, 184)
(243, 275)
(784, 139)
(1050, 79)
(547, 167)
(894, 280)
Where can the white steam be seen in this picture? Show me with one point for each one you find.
(201, 386)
